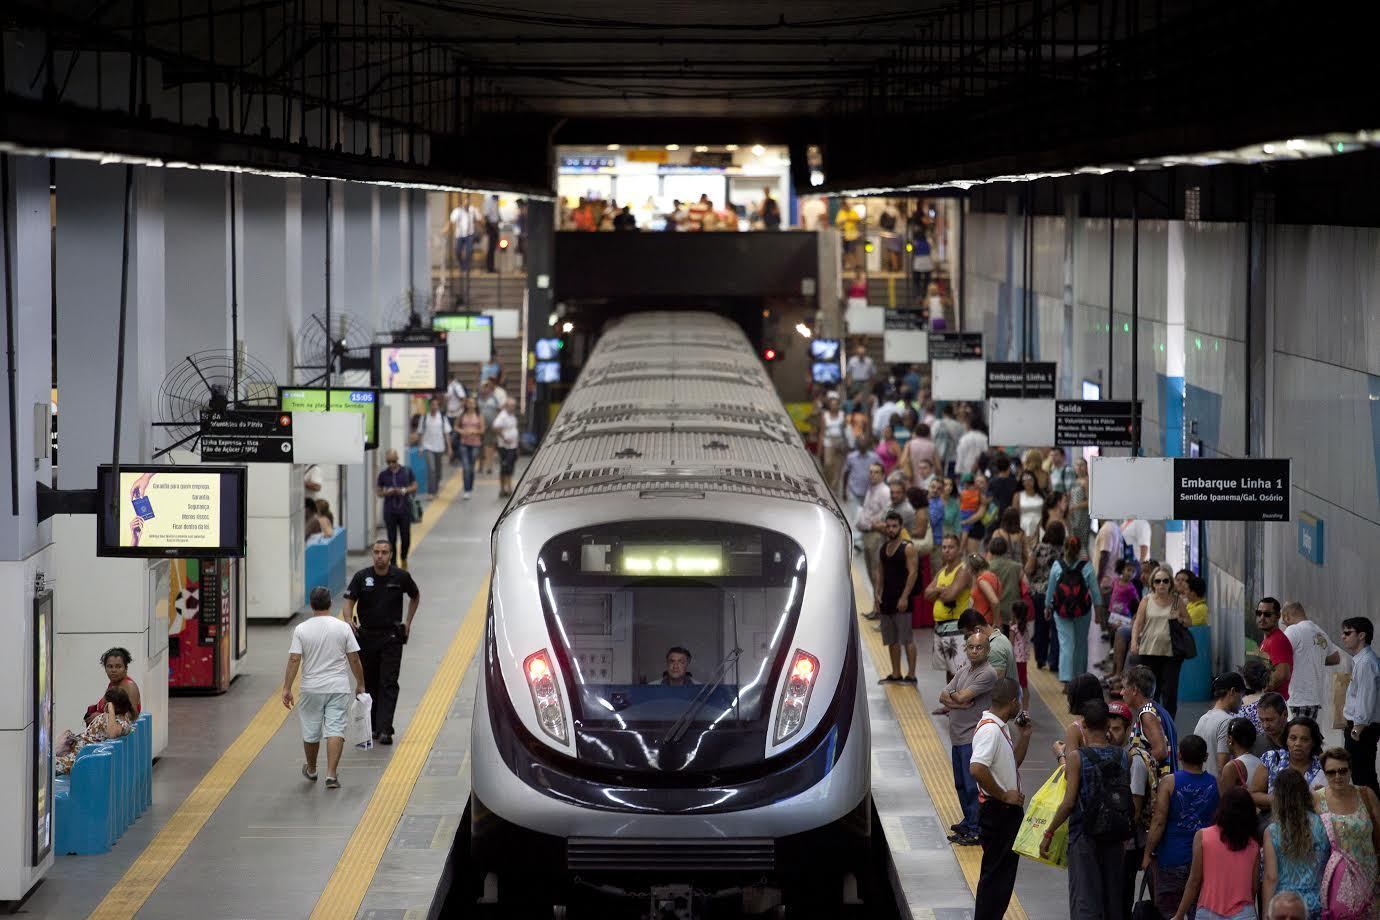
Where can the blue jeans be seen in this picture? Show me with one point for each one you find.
(1073, 645)
(469, 454)
(464, 251)
(961, 756)
(1245, 913)
(433, 470)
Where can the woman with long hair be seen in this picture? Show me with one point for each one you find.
(1080, 522)
(1029, 501)
(1150, 635)
(116, 718)
(1072, 625)
(986, 588)
(1224, 878)
(1296, 845)
(1080, 691)
(471, 425)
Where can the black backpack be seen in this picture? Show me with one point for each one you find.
(1072, 598)
(1107, 806)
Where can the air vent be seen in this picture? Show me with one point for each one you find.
(600, 854)
(715, 445)
(628, 453)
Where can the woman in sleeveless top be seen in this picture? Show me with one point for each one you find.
(952, 577)
(1150, 637)
(1349, 814)
(1296, 845)
(1030, 502)
(833, 443)
(1241, 735)
(1226, 860)
(116, 663)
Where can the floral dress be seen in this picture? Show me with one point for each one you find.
(94, 733)
(1353, 834)
(1277, 761)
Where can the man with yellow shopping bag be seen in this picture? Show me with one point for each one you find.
(995, 765)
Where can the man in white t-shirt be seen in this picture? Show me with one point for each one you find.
(433, 435)
(1313, 652)
(995, 765)
(1227, 690)
(325, 649)
(505, 428)
(1135, 533)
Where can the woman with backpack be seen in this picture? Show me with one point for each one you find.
(1351, 817)
(1069, 599)
(1185, 802)
(1097, 805)
(1296, 845)
(1226, 860)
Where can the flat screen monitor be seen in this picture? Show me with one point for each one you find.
(549, 349)
(825, 372)
(1091, 390)
(548, 372)
(171, 511)
(469, 336)
(825, 349)
(409, 368)
(317, 399)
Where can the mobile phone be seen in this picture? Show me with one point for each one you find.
(1023, 718)
(143, 507)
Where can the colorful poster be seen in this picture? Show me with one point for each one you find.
(169, 510)
(408, 367)
(43, 726)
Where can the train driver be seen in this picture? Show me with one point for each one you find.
(677, 673)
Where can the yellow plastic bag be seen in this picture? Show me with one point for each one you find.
(1039, 812)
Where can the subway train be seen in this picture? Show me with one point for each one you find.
(671, 721)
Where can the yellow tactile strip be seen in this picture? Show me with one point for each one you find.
(348, 884)
(929, 752)
(172, 840)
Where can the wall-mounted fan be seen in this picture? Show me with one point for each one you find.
(409, 315)
(321, 353)
(207, 380)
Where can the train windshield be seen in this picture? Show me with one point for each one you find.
(671, 635)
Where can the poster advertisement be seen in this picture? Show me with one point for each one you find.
(43, 726)
(169, 510)
(409, 367)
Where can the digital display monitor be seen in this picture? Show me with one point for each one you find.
(42, 824)
(825, 372)
(825, 349)
(549, 349)
(548, 372)
(409, 368)
(670, 559)
(314, 399)
(461, 322)
(164, 511)
(469, 336)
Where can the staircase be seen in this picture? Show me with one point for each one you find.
(504, 291)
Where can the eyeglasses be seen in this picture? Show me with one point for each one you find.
(1338, 771)
(1160, 581)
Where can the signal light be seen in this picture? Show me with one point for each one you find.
(503, 244)
(768, 354)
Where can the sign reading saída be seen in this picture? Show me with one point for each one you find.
(955, 346)
(1095, 423)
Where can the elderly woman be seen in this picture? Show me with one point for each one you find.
(1151, 638)
(116, 663)
(1351, 817)
(116, 718)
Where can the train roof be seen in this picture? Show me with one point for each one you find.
(673, 402)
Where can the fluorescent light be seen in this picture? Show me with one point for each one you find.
(730, 147)
(803, 329)
(701, 149)
(567, 327)
(758, 150)
(613, 146)
(673, 146)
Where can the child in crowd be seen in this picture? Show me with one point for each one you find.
(1020, 638)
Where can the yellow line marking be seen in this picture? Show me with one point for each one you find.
(350, 881)
(929, 752)
(142, 878)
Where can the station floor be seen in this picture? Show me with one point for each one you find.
(236, 832)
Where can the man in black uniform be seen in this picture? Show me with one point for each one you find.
(379, 590)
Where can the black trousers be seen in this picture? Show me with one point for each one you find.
(399, 526)
(380, 652)
(998, 825)
(491, 230)
(1166, 668)
(1363, 755)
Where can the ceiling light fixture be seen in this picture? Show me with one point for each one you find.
(758, 150)
(613, 146)
(673, 146)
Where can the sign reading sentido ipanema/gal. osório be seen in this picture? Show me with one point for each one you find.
(1190, 489)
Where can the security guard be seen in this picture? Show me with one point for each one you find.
(379, 590)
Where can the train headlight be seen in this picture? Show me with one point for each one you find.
(546, 695)
(795, 695)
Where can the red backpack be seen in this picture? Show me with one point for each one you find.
(1072, 598)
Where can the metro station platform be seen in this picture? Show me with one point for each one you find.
(236, 832)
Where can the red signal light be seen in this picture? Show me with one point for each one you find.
(769, 354)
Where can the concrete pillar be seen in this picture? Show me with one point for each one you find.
(1172, 399)
(103, 602)
(541, 246)
(25, 551)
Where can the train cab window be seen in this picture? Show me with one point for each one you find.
(672, 635)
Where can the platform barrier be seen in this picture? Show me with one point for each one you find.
(325, 565)
(110, 786)
(1195, 674)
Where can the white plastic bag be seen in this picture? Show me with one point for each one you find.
(358, 731)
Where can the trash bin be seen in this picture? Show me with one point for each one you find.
(1195, 674)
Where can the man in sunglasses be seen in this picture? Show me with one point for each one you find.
(1274, 645)
(1362, 706)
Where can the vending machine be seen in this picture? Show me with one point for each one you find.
(204, 600)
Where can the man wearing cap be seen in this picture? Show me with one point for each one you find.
(1227, 690)
(1143, 779)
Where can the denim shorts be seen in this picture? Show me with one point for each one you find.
(1245, 913)
(323, 714)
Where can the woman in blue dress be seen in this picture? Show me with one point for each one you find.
(1296, 846)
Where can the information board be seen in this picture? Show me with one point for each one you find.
(955, 346)
(246, 436)
(1095, 423)
(1228, 489)
(315, 399)
(1005, 379)
(171, 511)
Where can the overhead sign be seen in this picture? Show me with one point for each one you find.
(1095, 423)
(715, 159)
(955, 346)
(1020, 421)
(1311, 538)
(246, 436)
(1013, 380)
(905, 340)
(647, 156)
(587, 163)
(1223, 489)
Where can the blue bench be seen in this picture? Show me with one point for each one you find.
(1195, 674)
(325, 565)
(110, 786)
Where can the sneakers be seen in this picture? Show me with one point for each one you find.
(467, 496)
(958, 838)
(332, 783)
(309, 773)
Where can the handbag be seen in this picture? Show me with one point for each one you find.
(1181, 640)
(1039, 814)
(416, 504)
(1347, 892)
(1340, 681)
(1145, 908)
(358, 718)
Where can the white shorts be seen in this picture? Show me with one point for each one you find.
(323, 714)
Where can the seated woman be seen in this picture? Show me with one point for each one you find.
(116, 719)
(116, 663)
(326, 518)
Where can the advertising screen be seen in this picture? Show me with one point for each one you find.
(43, 726)
(825, 349)
(409, 368)
(825, 372)
(548, 349)
(314, 399)
(548, 372)
(171, 511)
(469, 336)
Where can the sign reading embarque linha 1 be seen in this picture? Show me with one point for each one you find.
(1231, 490)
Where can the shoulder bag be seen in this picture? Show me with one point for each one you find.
(1181, 640)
